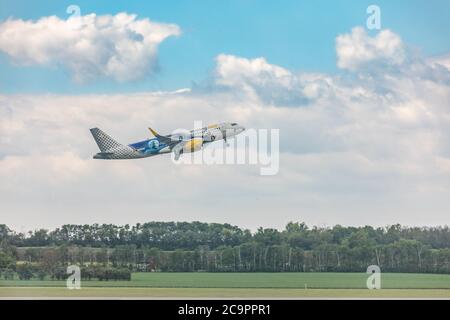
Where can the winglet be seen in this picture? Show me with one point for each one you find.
(160, 138)
(153, 132)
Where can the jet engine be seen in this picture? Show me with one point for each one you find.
(187, 147)
(193, 145)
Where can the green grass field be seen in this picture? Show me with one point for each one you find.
(114, 292)
(240, 285)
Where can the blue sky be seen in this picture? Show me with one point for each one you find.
(362, 142)
(297, 35)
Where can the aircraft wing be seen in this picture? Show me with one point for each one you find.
(176, 145)
(177, 150)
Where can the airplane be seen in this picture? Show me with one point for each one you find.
(178, 143)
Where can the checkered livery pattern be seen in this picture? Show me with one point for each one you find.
(111, 149)
(104, 142)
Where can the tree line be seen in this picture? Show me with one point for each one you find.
(163, 235)
(41, 271)
(196, 246)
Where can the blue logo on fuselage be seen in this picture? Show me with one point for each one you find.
(148, 146)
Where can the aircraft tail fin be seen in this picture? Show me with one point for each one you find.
(104, 141)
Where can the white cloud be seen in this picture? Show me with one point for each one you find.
(270, 83)
(358, 49)
(232, 70)
(355, 149)
(121, 47)
(443, 60)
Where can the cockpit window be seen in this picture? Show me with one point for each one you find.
(234, 124)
